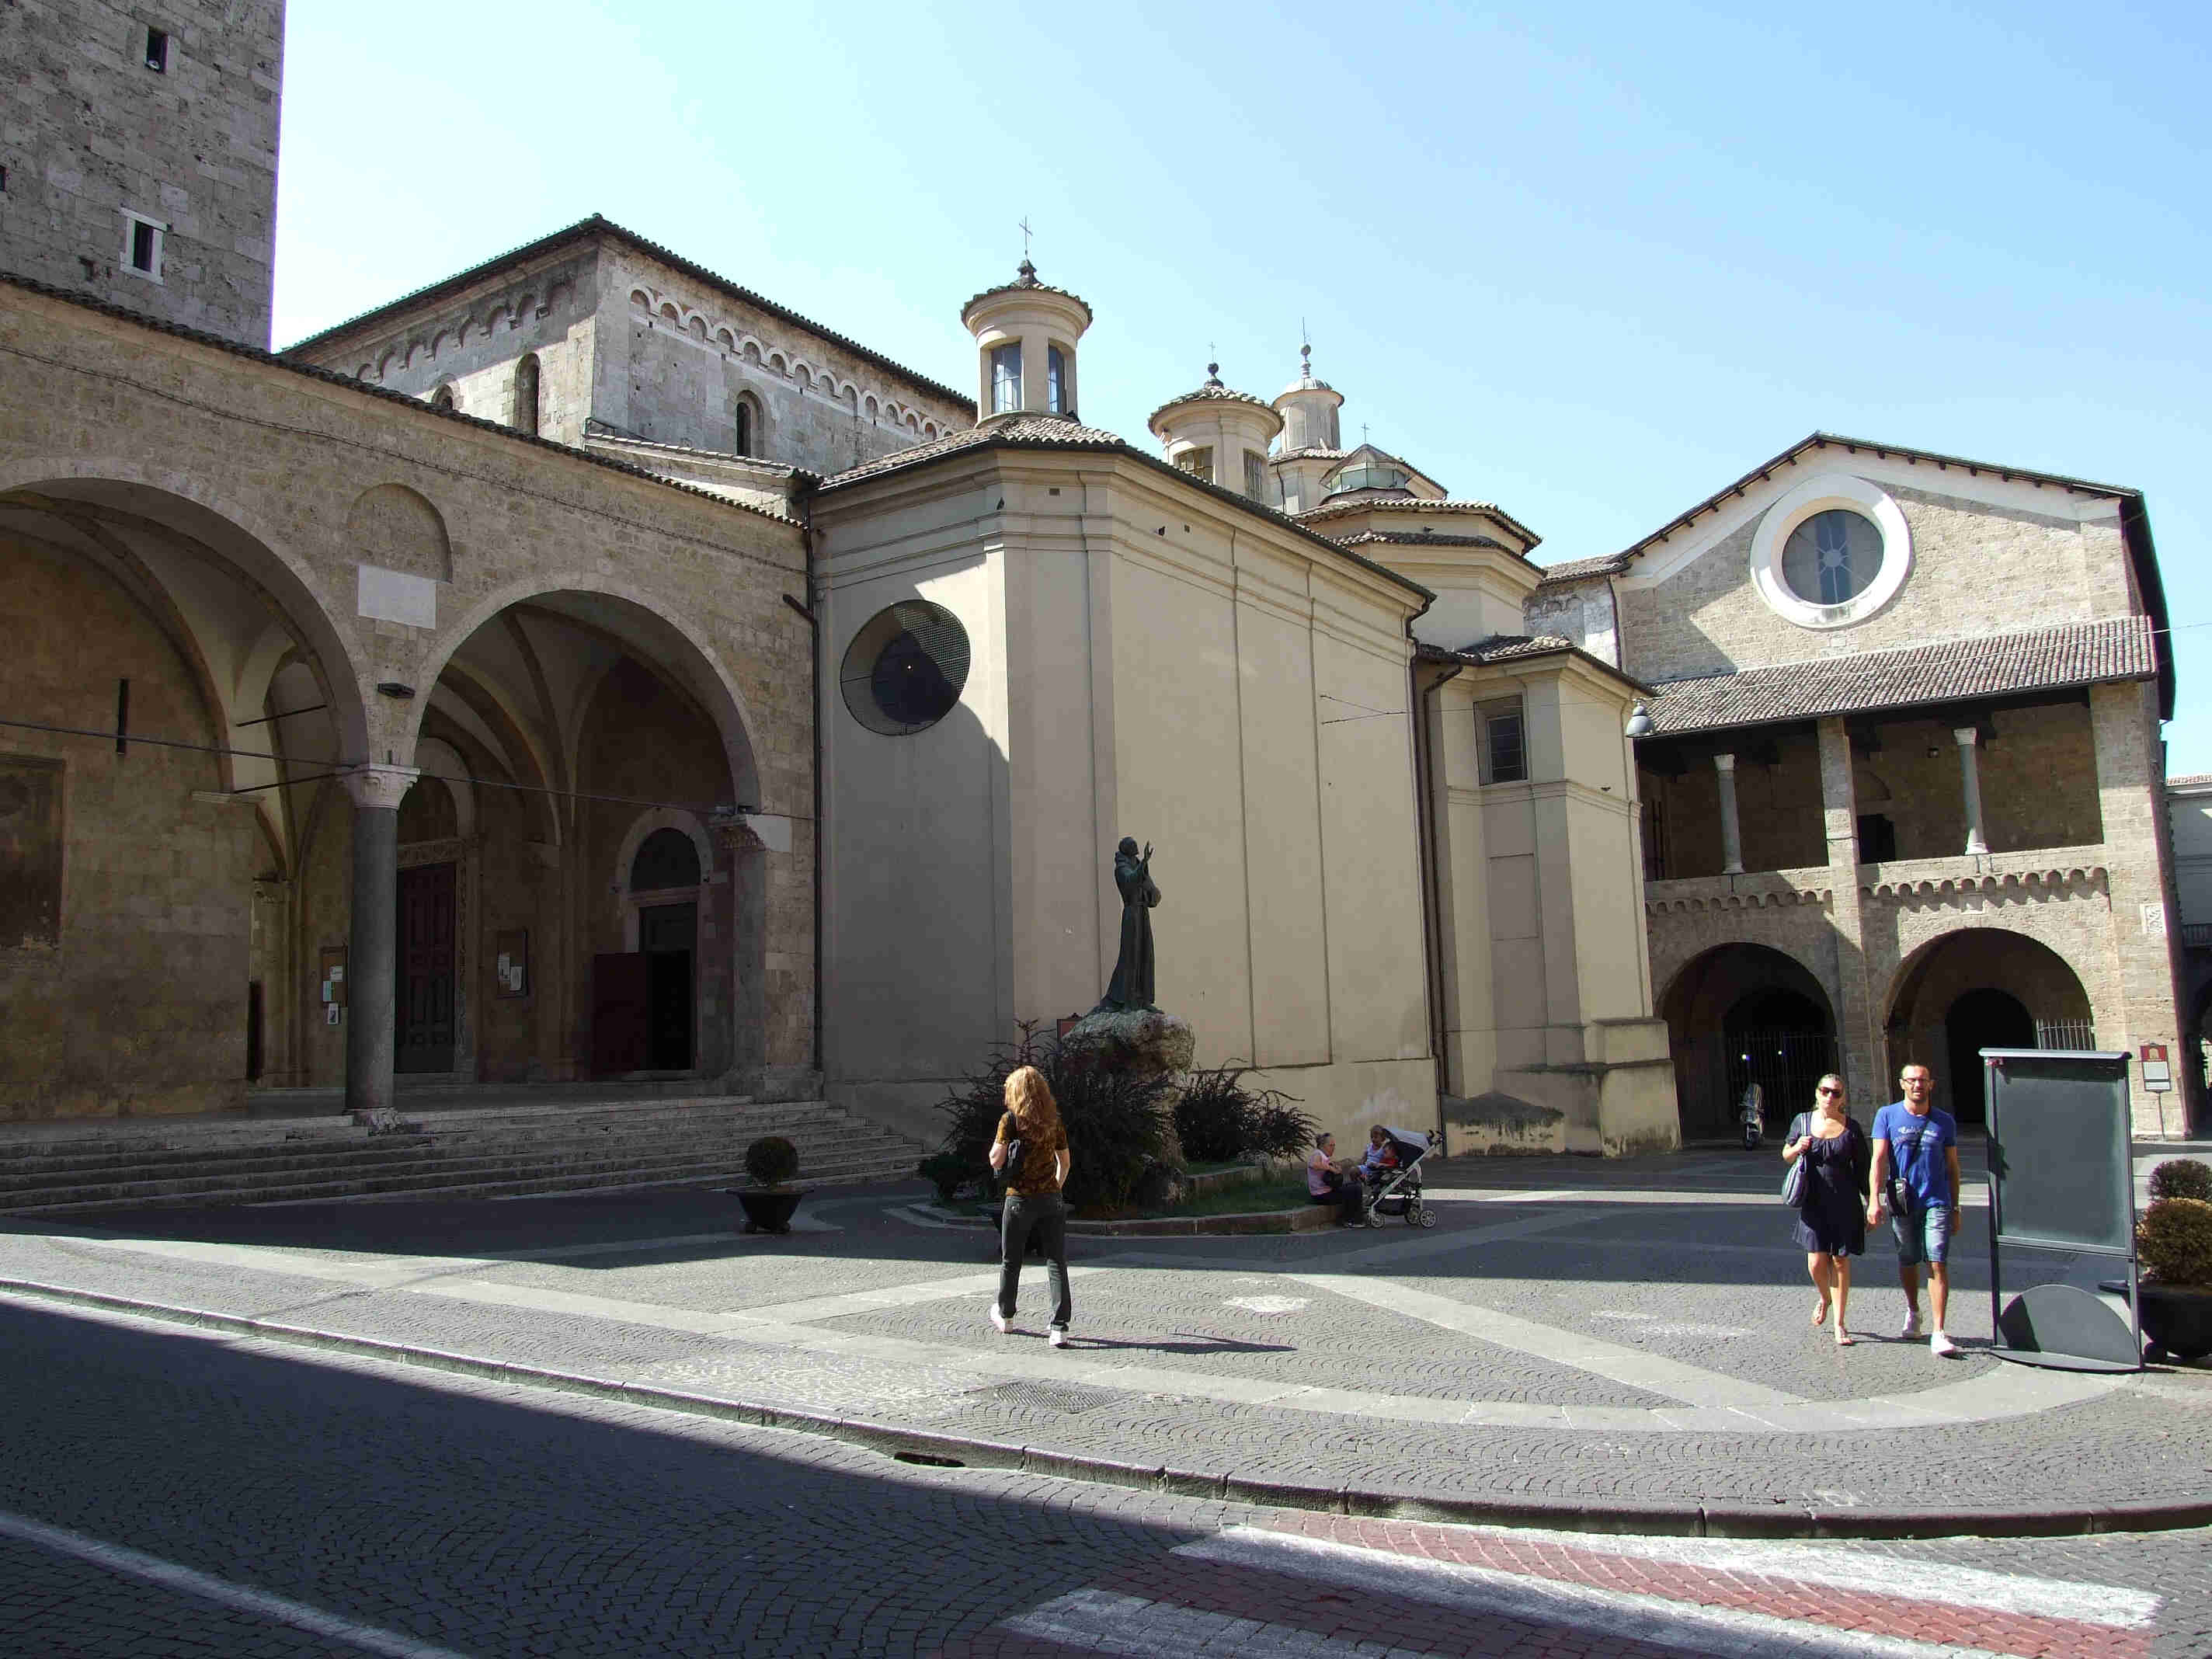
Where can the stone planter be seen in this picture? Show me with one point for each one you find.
(768, 1209)
(2177, 1320)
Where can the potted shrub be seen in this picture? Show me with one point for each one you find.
(772, 1162)
(2173, 1250)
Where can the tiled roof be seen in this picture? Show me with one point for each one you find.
(1420, 538)
(1050, 432)
(1212, 389)
(1311, 453)
(315, 371)
(1488, 509)
(597, 225)
(2190, 781)
(1024, 281)
(1576, 570)
(2070, 655)
(1509, 648)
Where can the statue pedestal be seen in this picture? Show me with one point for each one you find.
(1142, 1041)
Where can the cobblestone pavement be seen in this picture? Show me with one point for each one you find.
(1622, 1343)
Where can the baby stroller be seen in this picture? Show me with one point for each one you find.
(1398, 1191)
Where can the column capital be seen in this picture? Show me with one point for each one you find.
(380, 787)
(1724, 763)
(1966, 736)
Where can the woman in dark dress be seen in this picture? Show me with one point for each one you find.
(1833, 1203)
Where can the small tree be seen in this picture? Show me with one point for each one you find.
(1220, 1119)
(2182, 1177)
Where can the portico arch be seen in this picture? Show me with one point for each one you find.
(1740, 1013)
(1975, 987)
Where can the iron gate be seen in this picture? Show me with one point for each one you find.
(1785, 1064)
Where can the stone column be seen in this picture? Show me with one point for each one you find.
(1731, 832)
(372, 954)
(1858, 1025)
(2131, 800)
(1971, 775)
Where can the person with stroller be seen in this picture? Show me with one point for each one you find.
(1832, 1203)
(1031, 1134)
(1328, 1182)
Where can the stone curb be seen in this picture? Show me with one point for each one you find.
(1777, 1521)
(1306, 1218)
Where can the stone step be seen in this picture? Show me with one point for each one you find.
(618, 1178)
(423, 1156)
(501, 1151)
(365, 1153)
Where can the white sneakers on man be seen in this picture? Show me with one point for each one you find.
(1058, 1337)
(1006, 1327)
(1942, 1346)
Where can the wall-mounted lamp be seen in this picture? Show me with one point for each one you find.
(1639, 721)
(393, 689)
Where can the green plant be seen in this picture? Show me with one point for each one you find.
(949, 1173)
(2182, 1177)
(2173, 1241)
(771, 1161)
(1118, 1125)
(1220, 1119)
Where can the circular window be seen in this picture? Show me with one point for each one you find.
(1832, 551)
(1831, 557)
(904, 670)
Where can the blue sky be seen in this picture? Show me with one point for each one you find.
(1591, 263)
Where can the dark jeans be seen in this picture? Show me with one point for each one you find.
(1041, 1216)
(1344, 1192)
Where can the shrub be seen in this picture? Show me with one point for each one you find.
(771, 1161)
(1118, 1125)
(2182, 1177)
(949, 1173)
(1220, 1120)
(2173, 1241)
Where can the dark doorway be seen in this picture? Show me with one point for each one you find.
(1978, 1020)
(253, 1031)
(668, 936)
(621, 1005)
(423, 997)
(1778, 1040)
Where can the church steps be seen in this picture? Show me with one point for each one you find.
(497, 1155)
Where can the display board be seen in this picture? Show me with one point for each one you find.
(2061, 1175)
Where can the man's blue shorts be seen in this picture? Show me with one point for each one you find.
(1923, 1236)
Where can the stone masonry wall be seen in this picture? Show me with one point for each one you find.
(86, 129)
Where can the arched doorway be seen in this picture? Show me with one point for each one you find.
(1976, 988)
(1744, 1013)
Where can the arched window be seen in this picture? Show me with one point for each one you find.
(1056, 380)
(442, 398)
(1005, 379)
(751, 435)
(666, 859)
(745, 443)
(525, 395)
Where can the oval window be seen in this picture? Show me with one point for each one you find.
(1831, 557)
(904, 670)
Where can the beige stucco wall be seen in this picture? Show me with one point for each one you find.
(1225, 689)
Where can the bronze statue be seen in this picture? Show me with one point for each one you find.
(1131, 987)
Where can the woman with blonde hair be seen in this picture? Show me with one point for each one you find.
(1032, 1141)
(1832, 1200)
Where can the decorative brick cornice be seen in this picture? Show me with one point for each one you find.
(1764, 899)
(2013, 884)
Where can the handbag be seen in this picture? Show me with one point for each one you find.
(1012, 1167)
(1793, 1178)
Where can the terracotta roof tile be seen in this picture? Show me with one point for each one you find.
(2072, 653)
(1488, 509)
(1420, 538)
(1577, 570)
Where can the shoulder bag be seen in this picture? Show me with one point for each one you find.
(1900, 1193)
(1011, 1170)
(1793, 1178)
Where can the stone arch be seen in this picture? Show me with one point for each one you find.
(241, 539)
(438, 760)
(775, 361)
(1716, 1004)
(726, 337)
(652, 628)
(1934, 1006)
(639, 296)
(669, 314)
(750, 351)
(396, 528)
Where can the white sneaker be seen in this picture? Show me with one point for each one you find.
(1005, 1326)
(1911, 1326)
(1058, 1338)
(1942, 1346)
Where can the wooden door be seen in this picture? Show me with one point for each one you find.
(423, 997)
(668, 935)
(621, 1013)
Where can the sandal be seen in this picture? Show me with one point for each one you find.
(1820, 1313)
(1845, 1338)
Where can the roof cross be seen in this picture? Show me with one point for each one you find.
(1025, 235)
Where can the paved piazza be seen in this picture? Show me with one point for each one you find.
(1617, 1347)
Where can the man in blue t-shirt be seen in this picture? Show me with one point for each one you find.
(1921, 1146)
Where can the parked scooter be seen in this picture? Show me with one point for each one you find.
(1752, 1110)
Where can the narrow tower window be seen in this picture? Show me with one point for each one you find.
(1056, 380)
(745, 446)
(157, 51)
(442, 398)
(1005, 379)
(142, 245)
(1255, 476)
(525, 395)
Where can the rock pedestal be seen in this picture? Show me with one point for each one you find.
(1141, 1041)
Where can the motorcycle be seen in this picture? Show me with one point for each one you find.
(1752, 1111)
